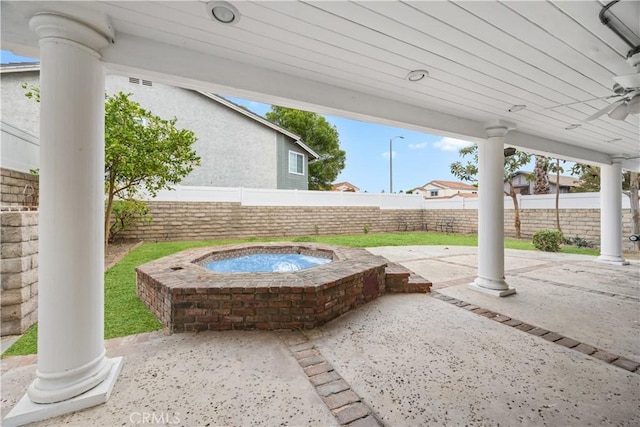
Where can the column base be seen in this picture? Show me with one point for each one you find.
(493, 292)
(612, 259)
(26, 411)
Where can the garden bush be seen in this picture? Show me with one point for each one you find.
(547, 240)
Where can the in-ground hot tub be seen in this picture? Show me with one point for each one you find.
(185, 296)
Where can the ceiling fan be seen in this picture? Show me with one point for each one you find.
(627, 89)
(627, 86)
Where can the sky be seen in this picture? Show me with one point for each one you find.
(417, 157)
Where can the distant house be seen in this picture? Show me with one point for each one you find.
(237, 147)
(522, 186)
(440, 188)
(345, 186)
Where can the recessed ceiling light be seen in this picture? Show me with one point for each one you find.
(223, 12)
(573, 126)
(516, 108)
(417, 75)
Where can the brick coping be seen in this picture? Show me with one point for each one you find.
(183, 271)
(589, 350)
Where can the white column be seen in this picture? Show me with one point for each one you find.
(71, 352)
(611, 213)
(491, 214)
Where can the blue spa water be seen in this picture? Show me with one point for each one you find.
(265, 263)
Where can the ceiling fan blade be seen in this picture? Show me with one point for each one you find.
(580, 102)
(605, 110)
(628, 81)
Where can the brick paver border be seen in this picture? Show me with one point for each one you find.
(605, 356)
(347, 407)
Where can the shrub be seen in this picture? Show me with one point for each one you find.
(125, 213)
(577, 242)
(547, 240)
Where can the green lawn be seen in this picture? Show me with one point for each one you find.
(126, 315)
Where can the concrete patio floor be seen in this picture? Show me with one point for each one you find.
(402, 360)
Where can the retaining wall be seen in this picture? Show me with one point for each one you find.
(19, 271)
(214, 220)
(211, 220)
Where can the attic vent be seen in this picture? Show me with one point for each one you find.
(134, 80)
(147, 83)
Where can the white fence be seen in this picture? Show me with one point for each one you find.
(268, 197)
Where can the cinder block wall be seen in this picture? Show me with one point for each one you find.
(19, 271)
(209, 220)
(18, 189)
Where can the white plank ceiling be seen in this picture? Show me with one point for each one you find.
(352, 59)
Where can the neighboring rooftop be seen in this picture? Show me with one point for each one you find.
(345, 186)
(565, 181)
(454, 185)
(463, 195)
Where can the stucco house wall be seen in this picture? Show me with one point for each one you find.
(523, 186)
(19, 124)
(17, 109)
(227, 141)
(235, 150)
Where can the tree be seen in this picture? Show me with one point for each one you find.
(320, 136)
(590, 182)
(557, 169)
(541, 177)
(142, 152)
(469, 172)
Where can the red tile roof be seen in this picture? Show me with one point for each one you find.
(454, 185)
(344, 186)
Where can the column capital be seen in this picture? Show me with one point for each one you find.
(49, 25)
(617, 158)
(498, 128)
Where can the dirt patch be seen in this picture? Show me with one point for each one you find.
(116, 251)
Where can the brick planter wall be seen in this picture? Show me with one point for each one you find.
(19, 271)
(186, 297)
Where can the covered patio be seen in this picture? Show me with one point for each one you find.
(538, 76)
(402, 359)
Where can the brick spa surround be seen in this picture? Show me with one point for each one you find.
(185, 296)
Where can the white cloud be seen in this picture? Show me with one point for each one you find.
(451, 144)
(386, 154)
(419, 146)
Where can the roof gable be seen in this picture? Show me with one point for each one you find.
(35, 66)
(296, 138)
